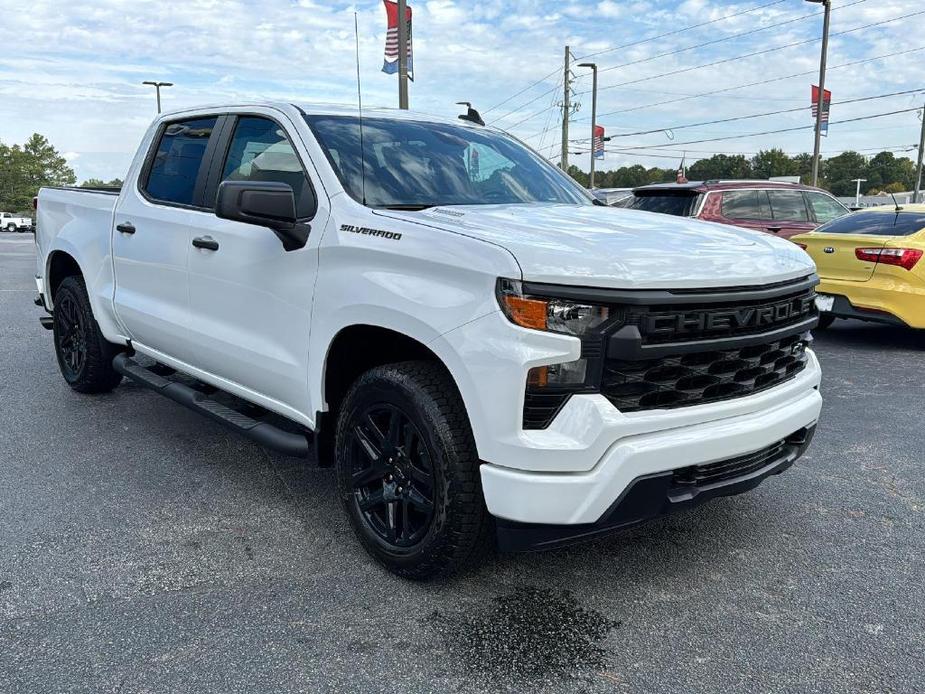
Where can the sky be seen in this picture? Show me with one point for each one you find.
(73, 70)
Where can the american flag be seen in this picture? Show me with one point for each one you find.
(826, 107)
(598, 141)
(390, 63)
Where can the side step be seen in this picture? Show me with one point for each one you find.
(263, 433)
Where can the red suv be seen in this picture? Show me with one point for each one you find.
(783, 209)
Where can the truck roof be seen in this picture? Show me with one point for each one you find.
(326, 109)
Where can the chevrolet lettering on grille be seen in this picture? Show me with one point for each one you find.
(663, 325)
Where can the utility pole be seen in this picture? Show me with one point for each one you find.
(827, 4)
(566, 111)
(157, 87)
(857, 195)
(593, 116)
(918, 179)
(402, 55)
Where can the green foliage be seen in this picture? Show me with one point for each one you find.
(883, 172)
(24, 169)
(100, 183)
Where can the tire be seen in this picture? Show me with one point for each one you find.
(825, 321)
(11, 228)
(404, 441)
(84, 355)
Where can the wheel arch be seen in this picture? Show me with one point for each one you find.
(60, 264)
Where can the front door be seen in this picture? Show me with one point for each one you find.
(154, 222)
(250, 299)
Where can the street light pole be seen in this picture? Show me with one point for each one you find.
(918, 178)
(857, 195)
(827, 4)
(402, 55)
(157, 87)
(593, 67)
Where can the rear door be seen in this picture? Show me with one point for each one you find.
(789, 213)
(746, 208)
(154, 222)
(833, 246)
(250, 299)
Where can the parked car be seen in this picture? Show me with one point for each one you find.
(480, 352)
(782, 209)
(612, 196)
(11, 222)
(871, 265)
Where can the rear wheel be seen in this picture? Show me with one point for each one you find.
(408, 472)
(84, 355)
(825, 321)
(11, 227)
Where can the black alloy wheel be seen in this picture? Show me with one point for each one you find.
(393, 476)
(71, 336)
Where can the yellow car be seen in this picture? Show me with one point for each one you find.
(871, 266)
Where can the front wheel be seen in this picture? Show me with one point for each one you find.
(11, 228)
(84, 355)
(408, 472)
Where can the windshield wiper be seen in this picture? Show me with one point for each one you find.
(407, 207)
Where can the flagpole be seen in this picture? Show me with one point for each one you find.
(402, 55)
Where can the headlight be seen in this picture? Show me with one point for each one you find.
(546, 313)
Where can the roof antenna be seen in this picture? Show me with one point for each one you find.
(471, 114)
(356, 34)
(898, 207)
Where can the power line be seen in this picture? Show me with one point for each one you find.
(757, 84)
(634, 43)
(755, 53)
(682, 30)
(727, 38)
(782, 130)
(762, 115)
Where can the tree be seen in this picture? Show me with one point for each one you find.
(885, 169)
(841, 171)
(23, 170)
(720, 166)
(803, 164)
(100, 183)
(773, 162)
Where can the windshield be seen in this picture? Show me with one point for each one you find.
(412, 164)
(678, 203)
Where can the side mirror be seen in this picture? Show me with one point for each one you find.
(263, 203)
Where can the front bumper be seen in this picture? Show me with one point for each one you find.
(658, 494)
(579, 498)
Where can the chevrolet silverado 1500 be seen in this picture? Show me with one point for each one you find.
(483, 354)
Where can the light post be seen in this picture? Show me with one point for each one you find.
(157, 87)
(857, 195)
(827, 4)
(593, 67)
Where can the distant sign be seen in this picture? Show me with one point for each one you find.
(598, 141)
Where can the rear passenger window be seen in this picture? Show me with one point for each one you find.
(788, 205)
(260, 151)
(179, 156)
(745, 204)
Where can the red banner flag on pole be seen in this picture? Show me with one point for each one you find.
(390, 63)
(598, 141)
(826, 107)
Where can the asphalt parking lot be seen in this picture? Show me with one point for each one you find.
(146, 549)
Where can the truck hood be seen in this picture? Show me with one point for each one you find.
(609, 247)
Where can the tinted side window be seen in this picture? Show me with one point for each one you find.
(680, 204)
(741, 204)
(825, 208)
(179, 156)
(260, 151)
(788, 205)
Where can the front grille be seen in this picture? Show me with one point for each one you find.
(732, 468)
(702, 377)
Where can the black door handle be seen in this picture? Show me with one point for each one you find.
(125, 228)
(206, 242)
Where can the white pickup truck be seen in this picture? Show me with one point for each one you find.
(485, 355)
(12, 222)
